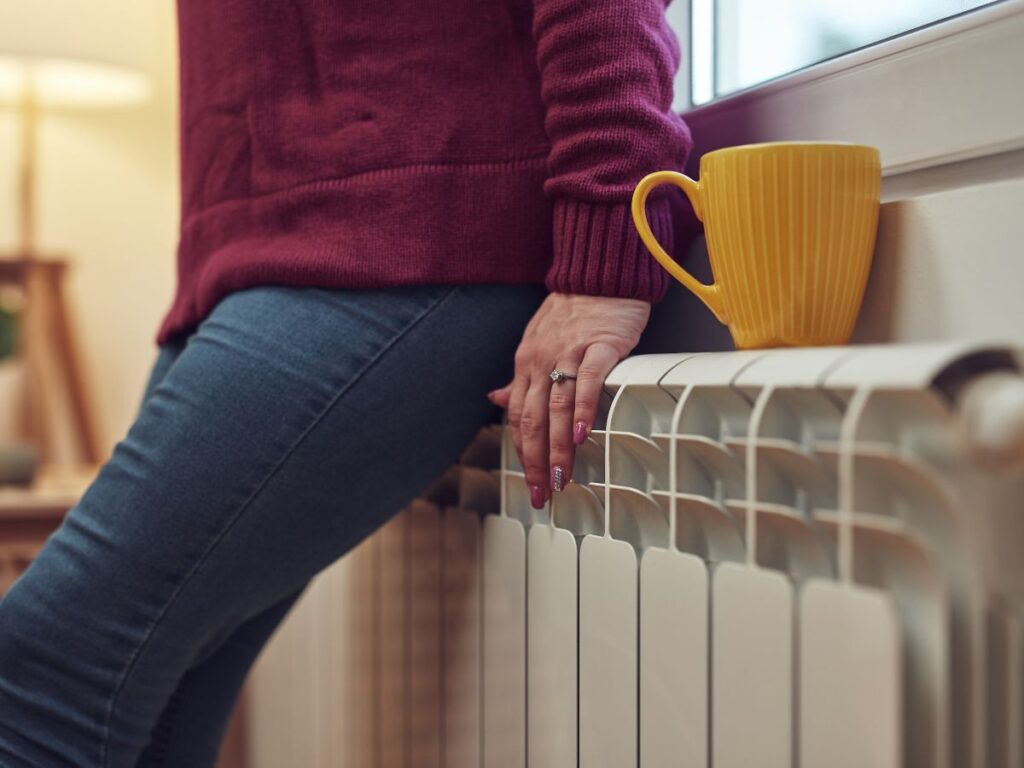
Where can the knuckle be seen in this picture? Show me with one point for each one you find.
(584, 404)
(560, 447)
(579, 343)
(561, 402)
(535, 472)
(530, 426)
(590, 371)
(539, 368)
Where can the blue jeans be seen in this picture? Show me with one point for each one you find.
(287, 428)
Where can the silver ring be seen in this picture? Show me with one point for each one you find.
(557, 375)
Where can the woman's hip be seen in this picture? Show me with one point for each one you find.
(291, 424)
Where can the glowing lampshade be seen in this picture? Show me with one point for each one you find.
(67, 53)
(72, 53)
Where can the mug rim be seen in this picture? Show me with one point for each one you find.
(782, 144)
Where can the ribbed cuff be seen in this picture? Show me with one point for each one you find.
(598, 252)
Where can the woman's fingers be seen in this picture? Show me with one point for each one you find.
(501, 396)
(533, 427)
(598, 361)
(577, 333)
(516, 401)
(561, 404)
(548, 420)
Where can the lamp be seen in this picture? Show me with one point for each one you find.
(64, 53)
(60, 54)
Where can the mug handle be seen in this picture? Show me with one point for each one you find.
(711, 295)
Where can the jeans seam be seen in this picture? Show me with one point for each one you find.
(123, 678)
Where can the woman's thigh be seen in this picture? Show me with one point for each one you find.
(292, 424)
(190, 731)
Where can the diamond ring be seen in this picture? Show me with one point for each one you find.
(557, 376)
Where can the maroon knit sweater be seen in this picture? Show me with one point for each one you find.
(370, 143)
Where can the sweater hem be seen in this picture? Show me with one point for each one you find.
(374, 230)
(338, 182)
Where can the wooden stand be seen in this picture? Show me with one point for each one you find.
(58, 419)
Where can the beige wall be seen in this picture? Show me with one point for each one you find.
(108, 197)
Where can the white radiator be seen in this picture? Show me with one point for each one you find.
(784, 558)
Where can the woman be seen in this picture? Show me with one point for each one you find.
(389, 209)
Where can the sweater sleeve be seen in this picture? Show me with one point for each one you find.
(606, 81)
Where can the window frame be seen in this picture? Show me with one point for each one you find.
(894, 95)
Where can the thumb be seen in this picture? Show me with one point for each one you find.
(501, 396)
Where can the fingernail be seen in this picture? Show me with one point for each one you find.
(579, 432)
(537, 497)
(558, 477)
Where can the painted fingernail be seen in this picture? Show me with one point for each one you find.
(579, 432)
(537, 497)
(557, 477)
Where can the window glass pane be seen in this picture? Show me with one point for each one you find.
(756, 40)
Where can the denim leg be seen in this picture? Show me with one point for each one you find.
(192, 726)
(166, 355)
(291, 425)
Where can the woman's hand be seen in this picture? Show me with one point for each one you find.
(575, 333)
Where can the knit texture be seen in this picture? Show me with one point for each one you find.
(367, 144)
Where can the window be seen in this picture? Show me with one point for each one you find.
(735, 44)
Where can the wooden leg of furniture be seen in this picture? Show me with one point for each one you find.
(67, 352)
(59, 419)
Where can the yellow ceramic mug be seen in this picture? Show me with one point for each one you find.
(790, 230)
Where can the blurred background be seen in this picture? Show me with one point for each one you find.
(105, 203)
